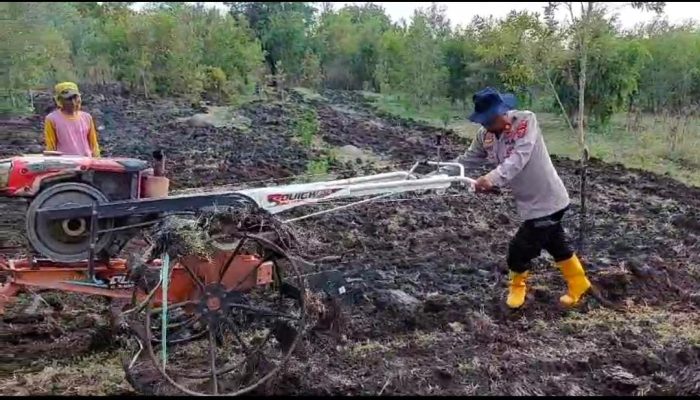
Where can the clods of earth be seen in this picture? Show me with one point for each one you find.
(426, 272)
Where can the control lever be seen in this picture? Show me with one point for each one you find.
(439, 145)
(438, 140)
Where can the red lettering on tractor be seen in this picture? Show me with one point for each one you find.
(282, 199)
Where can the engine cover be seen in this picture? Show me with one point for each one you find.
(27, 174)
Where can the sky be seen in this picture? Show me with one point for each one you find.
(462, 13)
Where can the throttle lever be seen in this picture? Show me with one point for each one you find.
(439, 142)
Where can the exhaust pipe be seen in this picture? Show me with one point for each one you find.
(157, 185)
(159, 164)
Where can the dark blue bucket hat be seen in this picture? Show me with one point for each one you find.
(489, 103)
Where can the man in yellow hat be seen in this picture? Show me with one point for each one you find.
(67, 129)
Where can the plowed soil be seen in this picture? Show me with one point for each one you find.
(427, 273)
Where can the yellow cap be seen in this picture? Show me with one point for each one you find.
(66, 90)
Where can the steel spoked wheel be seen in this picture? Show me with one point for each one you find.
(66, 240)
(231, 337)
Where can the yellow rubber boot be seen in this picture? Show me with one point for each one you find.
(517, 289)
(575, 279)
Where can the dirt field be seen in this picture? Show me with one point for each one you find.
(428, 274)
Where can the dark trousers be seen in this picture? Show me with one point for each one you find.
(535, 235)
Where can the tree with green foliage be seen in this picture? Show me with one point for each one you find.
(393, 53)
(281, 27)
(464, 67)
(229, 44)
(613, 74)
(164, 49)
(507, 46)
(588, 30)
(672, 79)
(586, 67)
(36, 53)
(348, 41)
(424, 76)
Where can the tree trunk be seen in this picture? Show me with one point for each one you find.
(271, 64)
(585, 19)
(143, 80)
(582, 81)
(561, 106)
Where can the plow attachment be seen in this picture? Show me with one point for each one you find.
(237, 327)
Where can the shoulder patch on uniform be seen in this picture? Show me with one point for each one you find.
(489, 138)
(521, 129)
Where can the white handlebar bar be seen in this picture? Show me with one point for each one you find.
(281, 198)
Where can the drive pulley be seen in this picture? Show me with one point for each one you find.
(66, 240)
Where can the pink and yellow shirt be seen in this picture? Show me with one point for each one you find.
(71, 134)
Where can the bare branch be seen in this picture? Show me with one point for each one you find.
(655, 6)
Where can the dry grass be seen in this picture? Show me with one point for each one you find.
(471, 366)
(95, 375)
(667, 325)
(419, 340)
(425, 339)
(365, 349)
(307, 94)
(650, 144)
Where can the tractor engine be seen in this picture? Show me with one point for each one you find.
(52, 180)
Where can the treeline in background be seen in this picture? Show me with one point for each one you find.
(182, 49)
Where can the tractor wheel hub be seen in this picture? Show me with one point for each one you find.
(74, 227)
